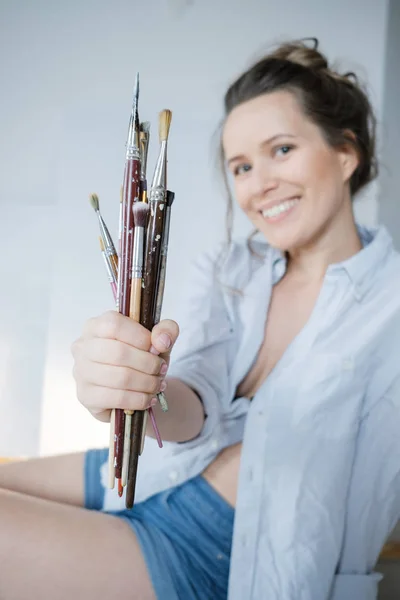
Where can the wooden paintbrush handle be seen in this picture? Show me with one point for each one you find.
(136, 442)
(136, 291)
(152, 263)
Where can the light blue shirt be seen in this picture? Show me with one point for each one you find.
(319, 484)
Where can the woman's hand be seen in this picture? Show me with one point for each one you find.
(116, 363)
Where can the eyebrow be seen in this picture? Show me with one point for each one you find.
(265, 143)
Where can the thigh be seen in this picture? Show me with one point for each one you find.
(50, 550)
(59, 478)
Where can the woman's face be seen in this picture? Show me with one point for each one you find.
(291, 184)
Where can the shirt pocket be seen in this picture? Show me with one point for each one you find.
(328, 396)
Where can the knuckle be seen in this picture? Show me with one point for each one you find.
(152, 364)
(111, 323)
(82, 394)
(75, 346)
(75, 372)
(142, 338)
(154, 385)
(155, 366)
(143, 401)
(120, 399)
(88, 323)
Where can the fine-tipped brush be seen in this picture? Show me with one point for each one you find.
(131, 194)
(107, 264)
(109, 248)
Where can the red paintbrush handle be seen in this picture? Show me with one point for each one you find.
(131, 192)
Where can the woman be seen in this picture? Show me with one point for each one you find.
(283, 393)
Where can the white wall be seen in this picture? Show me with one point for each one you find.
(389, 212)
(67, 72)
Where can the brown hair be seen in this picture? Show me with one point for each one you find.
(336, 103)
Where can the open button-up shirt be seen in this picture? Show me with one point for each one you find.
(319, 483)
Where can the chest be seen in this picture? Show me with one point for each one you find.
(289, 310)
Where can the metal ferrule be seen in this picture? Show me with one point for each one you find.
(108, 268)
(164, 247)
(144, 150)
(132, 145)
(105, 234)
(160, 173)
(137, 262)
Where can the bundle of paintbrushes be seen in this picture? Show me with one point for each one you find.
(137, 276)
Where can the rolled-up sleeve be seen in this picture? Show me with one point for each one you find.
(202, 357)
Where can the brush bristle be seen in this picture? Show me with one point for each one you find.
(164, 124)
(140, 213)
(101, 244)
(145, 127)
(94, 201)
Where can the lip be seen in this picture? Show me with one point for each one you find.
(276, 203)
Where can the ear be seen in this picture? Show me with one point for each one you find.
(348, 155)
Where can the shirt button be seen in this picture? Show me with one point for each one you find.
(244, 540)
(214, 445)
(250, 474)
(173, 475)
(347, 364)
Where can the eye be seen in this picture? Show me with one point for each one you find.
(283, 150)
(241, 169)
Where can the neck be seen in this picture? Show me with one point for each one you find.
(338, 242)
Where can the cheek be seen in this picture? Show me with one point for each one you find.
(325, 169)
(242, 196)
(320, 176)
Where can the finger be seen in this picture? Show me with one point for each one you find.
(164, 336)
(113, 352)
(101, 415)
(113, 325)
(115, 377)
(95, 397)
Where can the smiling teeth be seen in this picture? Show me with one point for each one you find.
(279, 208)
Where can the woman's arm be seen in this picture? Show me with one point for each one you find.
(185, 417)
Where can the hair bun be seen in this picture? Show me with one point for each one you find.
(300, 53)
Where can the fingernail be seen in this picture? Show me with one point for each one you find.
(164, 369)
(153, 402)
(163, 402)
(165, 340)
(163, 386)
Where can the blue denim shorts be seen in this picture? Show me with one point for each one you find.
(185, 534)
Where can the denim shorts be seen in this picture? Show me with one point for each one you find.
(185, 534)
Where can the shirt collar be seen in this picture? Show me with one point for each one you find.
(360, 268)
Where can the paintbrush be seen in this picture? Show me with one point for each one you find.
(109, 248)
(157, 202)
(140, 216)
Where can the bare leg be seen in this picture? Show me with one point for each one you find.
(50, 550)
(58, 478)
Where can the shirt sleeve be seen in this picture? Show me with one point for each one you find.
(203, 354)
(374, 499)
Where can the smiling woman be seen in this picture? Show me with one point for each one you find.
(287, 112)
(282, 476)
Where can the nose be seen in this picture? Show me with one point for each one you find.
(263, 179)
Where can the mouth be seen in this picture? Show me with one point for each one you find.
(279, 211)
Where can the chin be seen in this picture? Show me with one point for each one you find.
(284, 238)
